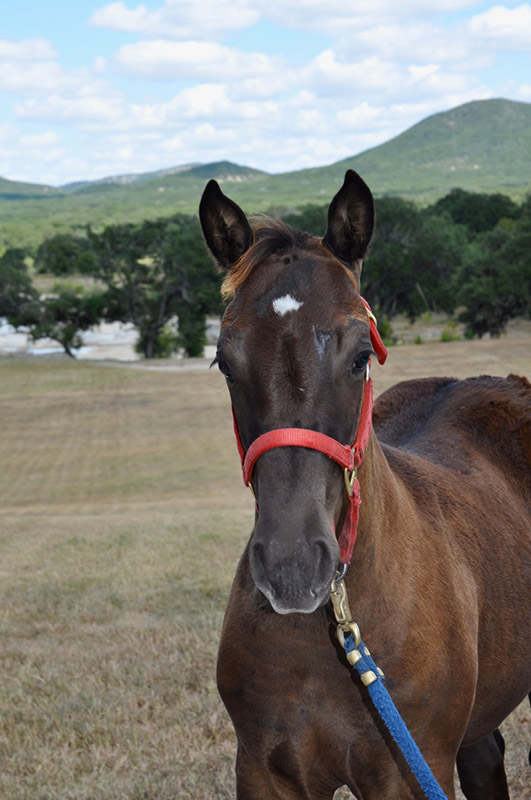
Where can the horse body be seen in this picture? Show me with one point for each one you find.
(438, 580)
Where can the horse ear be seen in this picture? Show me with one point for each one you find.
(350, 222)
(225, 228)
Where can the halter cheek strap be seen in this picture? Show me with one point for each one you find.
(347, 456)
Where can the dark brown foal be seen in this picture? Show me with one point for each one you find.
(439, 577)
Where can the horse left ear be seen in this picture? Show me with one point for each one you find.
(350, 222)
(225, 228)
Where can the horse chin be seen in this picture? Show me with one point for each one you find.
(302, 605)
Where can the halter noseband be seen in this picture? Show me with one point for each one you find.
(347, 456)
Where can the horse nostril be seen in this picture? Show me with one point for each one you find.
(324, 560)
(257, 560)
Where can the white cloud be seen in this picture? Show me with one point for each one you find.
(179, 19)
(524, 92)
(26, 50)
(28, 65)
(340, 19)
(359, 117)
(168, 60)
(208, 101)
(34, 152)
(330, 75)
(37, 76)
(374, 79)
(188, 19)
(502, 26)
(83, 108)
(383, 66)
(47, 139)
(419, 42)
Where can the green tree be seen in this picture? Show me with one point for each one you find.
(59, 314)
(63, 314)
(412, 260)
(310, 219)
(154, 272)
(495, 281)
(64, 254)
(17, 294)
(478, 212)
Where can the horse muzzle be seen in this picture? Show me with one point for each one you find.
(295, 577)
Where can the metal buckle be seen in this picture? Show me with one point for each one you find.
(350, 477)
(371, 316)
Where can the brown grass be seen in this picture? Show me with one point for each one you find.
(122, 519)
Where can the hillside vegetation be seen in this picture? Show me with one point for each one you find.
(480, 146)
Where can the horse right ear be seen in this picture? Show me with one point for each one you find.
(350, 222)
(225, 228)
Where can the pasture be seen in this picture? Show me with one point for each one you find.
(122, 517)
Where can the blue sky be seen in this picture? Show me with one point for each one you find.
(90, 89)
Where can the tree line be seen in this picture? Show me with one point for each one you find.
(468, 253)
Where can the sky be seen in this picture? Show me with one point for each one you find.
(91, 89)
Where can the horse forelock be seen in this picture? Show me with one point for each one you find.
(271, 237)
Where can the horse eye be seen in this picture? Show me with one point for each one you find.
(360, 362)
(223, 368)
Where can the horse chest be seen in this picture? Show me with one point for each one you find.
(287, 688)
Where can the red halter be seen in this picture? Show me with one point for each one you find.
(347, 456)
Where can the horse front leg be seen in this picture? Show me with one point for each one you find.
(481, 771)
(259, 782)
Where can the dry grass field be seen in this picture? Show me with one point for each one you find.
(122, 516)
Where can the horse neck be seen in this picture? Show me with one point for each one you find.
(383, 545)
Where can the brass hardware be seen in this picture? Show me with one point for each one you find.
(371, 316)
(251, 487)
(347, 629)
(350, 477)
(345, 625)
(338, 595)
(368, 677)
(353, 657)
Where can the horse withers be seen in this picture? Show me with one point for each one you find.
(439, 575)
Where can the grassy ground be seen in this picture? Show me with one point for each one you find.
(122, 516)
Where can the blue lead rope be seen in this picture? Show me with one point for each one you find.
(393, 721)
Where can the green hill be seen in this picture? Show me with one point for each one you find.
(15, 190)
(480, 146)
(483, 146)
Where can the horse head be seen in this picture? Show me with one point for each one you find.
(294, 348)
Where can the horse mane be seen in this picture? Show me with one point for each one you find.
(270, 237)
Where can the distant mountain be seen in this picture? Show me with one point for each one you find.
(225, 171)
(222, 170)
(14, 190)
(126, 180)
(480, 146)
